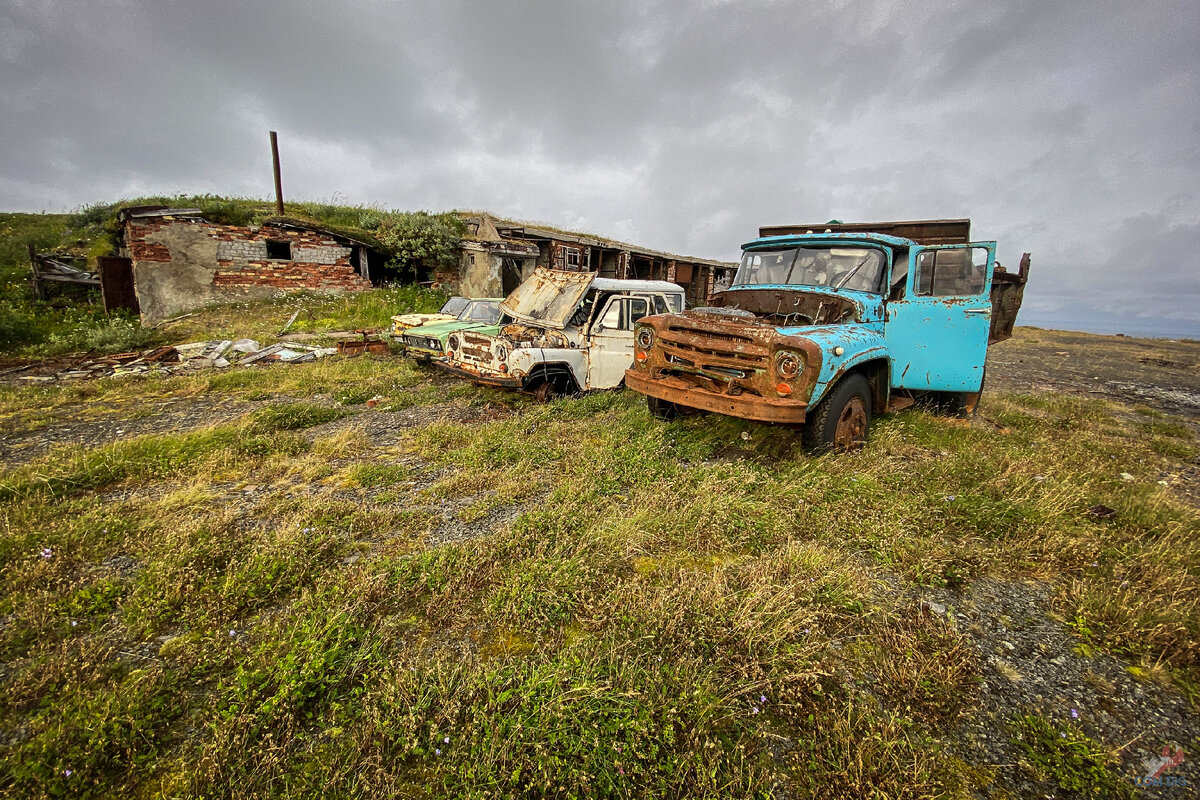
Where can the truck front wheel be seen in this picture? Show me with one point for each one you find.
(662, 409)
(842, 419)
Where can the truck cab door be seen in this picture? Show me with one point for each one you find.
(610, 342)
(937, 333)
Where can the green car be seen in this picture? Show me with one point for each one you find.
(428, 342)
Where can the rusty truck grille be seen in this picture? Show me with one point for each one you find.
(722, 353)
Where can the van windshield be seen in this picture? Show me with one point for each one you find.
(860, 268)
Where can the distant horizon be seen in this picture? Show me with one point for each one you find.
(1135, 330)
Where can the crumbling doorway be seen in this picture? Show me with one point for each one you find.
(510, 275)
(116, 284)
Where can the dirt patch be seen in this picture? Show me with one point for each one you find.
(1163, 374)
(91, 424)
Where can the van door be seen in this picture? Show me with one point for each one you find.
(937, 333)
(610, 342)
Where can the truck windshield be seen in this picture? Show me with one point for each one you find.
(858, 268)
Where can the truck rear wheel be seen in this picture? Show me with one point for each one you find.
(842, 419)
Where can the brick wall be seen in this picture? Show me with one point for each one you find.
(318, 261)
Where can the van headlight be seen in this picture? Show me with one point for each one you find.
(645, 337)
(788, 364)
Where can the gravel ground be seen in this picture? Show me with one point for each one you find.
(1030, 663)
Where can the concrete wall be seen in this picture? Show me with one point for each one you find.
(181, 265)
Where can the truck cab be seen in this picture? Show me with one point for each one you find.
(569, 332)
(825, 325)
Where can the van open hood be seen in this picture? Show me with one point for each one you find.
(548, 297)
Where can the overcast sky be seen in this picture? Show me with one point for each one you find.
(1068, 129)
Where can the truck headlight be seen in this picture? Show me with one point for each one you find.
(501, 351)
(788, 364)
(453, 342)
(645, 337)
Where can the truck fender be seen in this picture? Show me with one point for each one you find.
(871, 362)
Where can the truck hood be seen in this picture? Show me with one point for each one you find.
(548, 297)
(796, 306)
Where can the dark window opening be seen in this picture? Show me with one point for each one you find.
(279, 250)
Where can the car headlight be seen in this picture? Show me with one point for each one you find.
(645, 337)
(788, 364)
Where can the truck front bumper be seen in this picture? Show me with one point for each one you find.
(483, 378)
(746, 406)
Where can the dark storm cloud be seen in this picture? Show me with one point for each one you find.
(1069, 130)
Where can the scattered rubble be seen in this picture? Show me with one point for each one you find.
(179, 360)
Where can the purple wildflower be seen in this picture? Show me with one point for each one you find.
(1074, 714)
(437, 751)
(47, 552)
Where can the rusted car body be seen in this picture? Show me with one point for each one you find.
(447, 313)
(570, 332)
(826, 324)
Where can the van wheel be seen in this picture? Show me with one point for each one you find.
(842, 420)
(545, 392)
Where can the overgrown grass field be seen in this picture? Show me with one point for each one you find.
(502, 599)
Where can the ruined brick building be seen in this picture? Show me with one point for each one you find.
(174, 260)
(497, 255)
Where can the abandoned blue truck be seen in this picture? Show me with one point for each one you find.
(826, 324)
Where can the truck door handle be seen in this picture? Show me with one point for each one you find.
(987, 312)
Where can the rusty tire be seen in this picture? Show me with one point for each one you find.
(545, 392)
(842, 420)
(662, 409)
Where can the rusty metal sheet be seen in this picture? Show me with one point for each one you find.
(548, 298)
(1008, 290)
(367, 344)
(922, 231)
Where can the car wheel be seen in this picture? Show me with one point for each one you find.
(842, 420)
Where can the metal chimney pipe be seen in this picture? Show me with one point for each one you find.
(278, 180)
